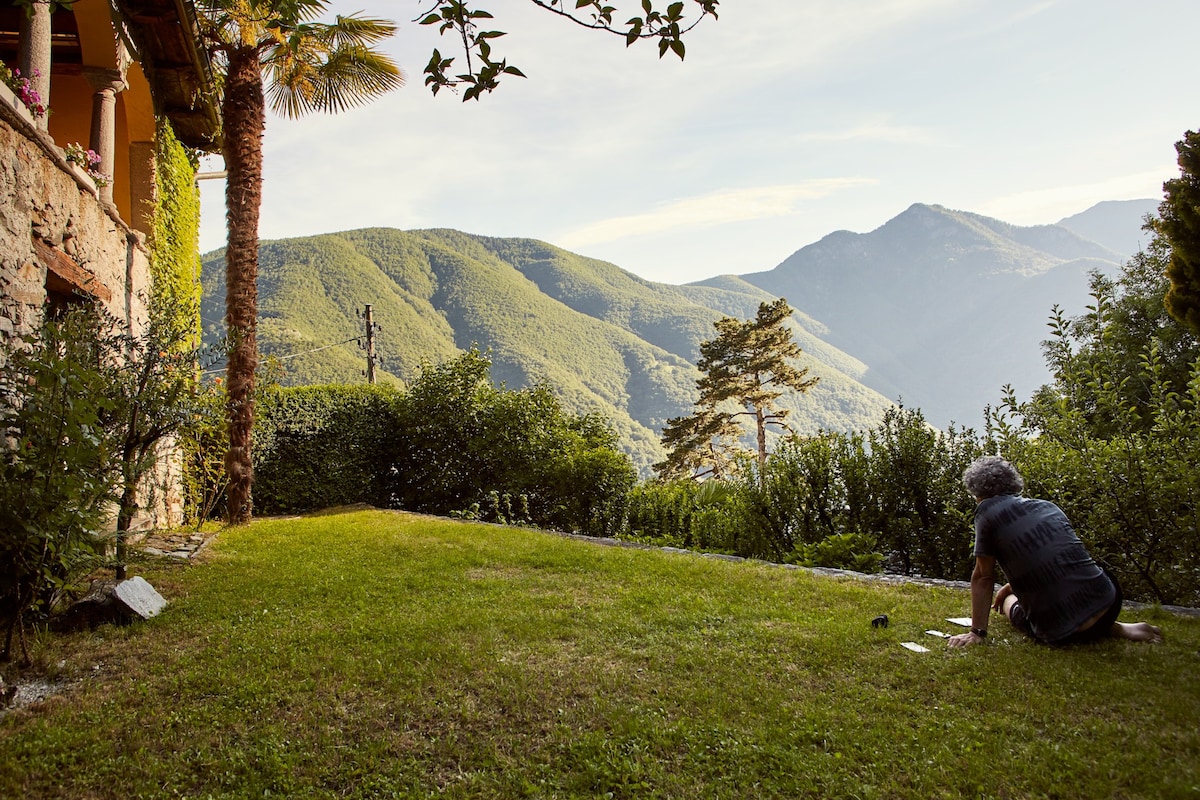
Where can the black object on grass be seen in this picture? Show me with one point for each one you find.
(880, 622)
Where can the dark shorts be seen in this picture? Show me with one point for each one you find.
(1101, 628)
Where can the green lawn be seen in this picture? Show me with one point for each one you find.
(377, 654)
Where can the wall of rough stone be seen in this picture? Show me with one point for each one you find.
(43, 197)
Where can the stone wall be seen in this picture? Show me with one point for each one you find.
(55, 235)
(56, 238)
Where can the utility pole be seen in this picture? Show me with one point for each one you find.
(371, 327)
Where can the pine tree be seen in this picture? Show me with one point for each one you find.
(748, 367)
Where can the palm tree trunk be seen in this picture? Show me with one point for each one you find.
(244, 120)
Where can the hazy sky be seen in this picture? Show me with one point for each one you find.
(788, 120)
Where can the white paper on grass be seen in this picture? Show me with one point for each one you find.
(916, 648)
(938, 634)
(964, 621)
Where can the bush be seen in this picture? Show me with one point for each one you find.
(322, 446)
(453, 444)
(60, 468)
(852, 551)
(459, 439)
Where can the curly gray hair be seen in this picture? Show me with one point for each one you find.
(990, 476)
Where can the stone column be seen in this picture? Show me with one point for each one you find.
(33, 53)
(107, 83)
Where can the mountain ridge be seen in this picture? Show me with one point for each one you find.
(906, 312)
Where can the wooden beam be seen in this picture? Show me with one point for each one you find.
(68, 270)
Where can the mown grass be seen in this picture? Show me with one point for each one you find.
(374, 654)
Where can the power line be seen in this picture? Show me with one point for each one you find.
(294, 355)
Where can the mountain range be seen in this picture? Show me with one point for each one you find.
(936, 309)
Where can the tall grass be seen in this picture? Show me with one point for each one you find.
(376, 654)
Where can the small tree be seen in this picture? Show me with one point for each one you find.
(153, 394)
(59, 466)
(85, 408)
(1179, 224)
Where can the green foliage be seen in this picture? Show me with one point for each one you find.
(452, 443)
(1105, 348)
(174, 261)
(203, 443)
(919, 510)
(850, 500)
(322, 446)
(483, 71)
(459, 438)
(87, 405)
(59, 467)
(1116, 441)
(852, 551)
(1179, 225)
(661, 511)
(589, 478)
(155, 394)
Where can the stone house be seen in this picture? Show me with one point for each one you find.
(108, 70)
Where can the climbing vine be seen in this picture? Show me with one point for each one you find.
(174, 238)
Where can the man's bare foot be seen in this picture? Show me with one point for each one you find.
(1137, 631)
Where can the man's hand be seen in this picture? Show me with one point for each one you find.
(963, 640)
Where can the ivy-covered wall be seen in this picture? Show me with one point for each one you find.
(175, 238)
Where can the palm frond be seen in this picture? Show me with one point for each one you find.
(308, 78)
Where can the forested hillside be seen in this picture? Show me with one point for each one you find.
(604, 339)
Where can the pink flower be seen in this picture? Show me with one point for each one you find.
(23, 88)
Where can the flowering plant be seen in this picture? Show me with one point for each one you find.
(22, 87)
(89, 160)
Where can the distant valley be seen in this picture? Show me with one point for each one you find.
(936, 308)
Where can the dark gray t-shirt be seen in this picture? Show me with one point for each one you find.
(1056, 581)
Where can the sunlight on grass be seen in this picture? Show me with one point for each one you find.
(377, 654)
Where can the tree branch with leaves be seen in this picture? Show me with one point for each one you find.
(483, 70)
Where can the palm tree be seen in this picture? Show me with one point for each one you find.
(270, 50)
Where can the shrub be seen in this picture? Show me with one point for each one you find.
(322, 446)
(60, 466)
(852, 551)
(453, 444)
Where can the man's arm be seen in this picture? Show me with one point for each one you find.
(983, 580)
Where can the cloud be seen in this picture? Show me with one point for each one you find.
(1050, 204)
(721, 207)
(875, 130)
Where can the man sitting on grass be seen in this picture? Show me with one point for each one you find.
(1057, 593)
